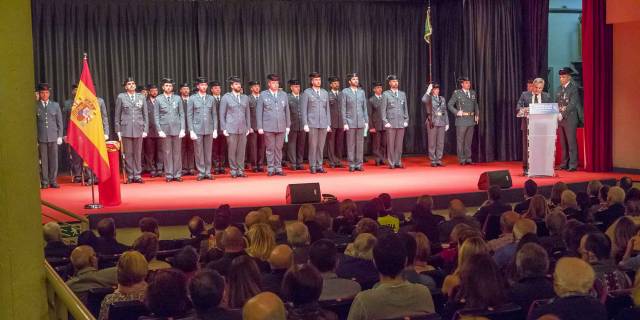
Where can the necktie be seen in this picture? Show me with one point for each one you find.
(468, 95)
(536, 100)
(131, 97)
(238, 96)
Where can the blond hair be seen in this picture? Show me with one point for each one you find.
(572, 275)
(362, 247)
(132, 268)
(423, 246)
(307, 212)
(470, 247)
(262, 240)
(615, 195)
(568, 199)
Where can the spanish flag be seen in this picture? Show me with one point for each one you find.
(85, 133)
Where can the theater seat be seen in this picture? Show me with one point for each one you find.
(127, 310)
(340, 307)
(95, 297)
(508, 311)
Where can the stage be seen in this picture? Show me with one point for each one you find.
(156, 196)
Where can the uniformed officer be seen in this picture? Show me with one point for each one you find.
(273, 120)
(169, 118)
(132, 124)
(376, 127)
(335, 137)
(568, 99)
(534, 94)
(188, 159)
(219, 143)
(142, 90)
(255, 141)
(353, 107)
(153, 162)
(395, 116)
(50, 131)
(464, 105)
(437, 123)
(235, 122)
(202, 121)
(297, 136)
(316, 120)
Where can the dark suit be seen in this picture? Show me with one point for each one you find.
(467, 102)
(255, 141)
(188, 158)
(378, 143)
(527, 98)
(219, 143)
(151, 144)
(568, 99)
(335, 138)
(50, 128)
(297, 136)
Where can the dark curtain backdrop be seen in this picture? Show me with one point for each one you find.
(184, 39)
(597, 56)
(484, 40)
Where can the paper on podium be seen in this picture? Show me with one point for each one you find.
(543, 108)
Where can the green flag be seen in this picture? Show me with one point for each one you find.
(427, 27)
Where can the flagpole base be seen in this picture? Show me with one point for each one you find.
(93, 206)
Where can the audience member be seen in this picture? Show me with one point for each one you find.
(387, 206)
(593, 189)
(372, 209)
(357, 264)
(261, 241)
(584, 205)
(233, 244)
(302, 285)
(243, 281)
(280, 260)
(197, 232)
(459, 234)
(307, 215)
(393, 297)
(506, 254)
(423, 252)
(148, 224)
(147, 244)
(186, 260)
(625, 183)
(603, 194)
(470, 247)
(530, 190)
(409, 273)
(554, 242)
(492, 207)
(299, 240)
(346, 220)
(206, 290)
(569, 205)
(620, 232)
(222, 219)
(54, 245)
(323, 255)
(615, 207)
(389, 220)
(252, 218)
(166, 295)
(106, 242)
(132, 271)
(277, 225)
(366, 225)
(595, 249)
(556, 194)
(457, 215)
(507, 220)
(532, 264)
(86, 274)
(538, 208)
(264, 306)
(325, 221)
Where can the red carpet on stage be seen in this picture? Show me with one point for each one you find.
(259, 190)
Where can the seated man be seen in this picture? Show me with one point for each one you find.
(572, 281)
(392, 297)
(106, 242)
(264, 306)
(507, 221)
(492, 207)
(595, 249)
(197, 232)
(206, 289)
(299, 239)
(53, 237)
(280, 260)
(234, 245)
(324, 256)
(86, 274)
(506, 254)
(530, 190)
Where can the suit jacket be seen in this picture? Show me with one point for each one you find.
(436, 110)
(316, 112)
(185, 103)
(461, 102)
(375, 117)
(234, 114)
(201, 114)
(131, 117)
(334, 108)
(526, 98)
(216, 104)
(296, 112)
(353, 106)
(66, 114)
(272, 112)
(169, 117)
(49, 120)
(253, 103)
(569, 98)
(394, 109)
(91, 278)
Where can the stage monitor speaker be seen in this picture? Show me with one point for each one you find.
(299, 193)
(500, 178)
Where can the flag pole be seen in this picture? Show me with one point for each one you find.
(430, 46)
(93, 204)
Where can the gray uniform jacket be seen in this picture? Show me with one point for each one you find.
(316, 112)
(353, 106)
(375, 117)
(436, 110)
(235, 116)
(169, 115)
(334, 107)
(296, 112)
(460, 101)
(272, 112)
(201, 114)
(49, 119)
(569, 97)
(131, 117)
(66, 114)
(394, 109)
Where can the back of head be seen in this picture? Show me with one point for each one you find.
(603, 193)
(372, 209)
(595, 246)
(616, 195)
(572, 275)
(410, 245)
(147, 244)
(524, 226)
(264, 306)
(390, 256)
(148, 224)
(83, 257)
(625, 183)
(366, 225)
(625, 230)
(481, 284)
(557, 190)
(302, 284)
(324, 220)
(532, 260)
(186, 260)
(266, 213)
(298, 234)
(243, 280)
(470, 247)
(281, 257)
(232, 239)
(206, 289)
(494, 193)
(568, 199)
(633, 194)
(196, 226)
(252, 218)
(507, 220)
(221, 221)
(593, 188)
(107, 228)
(323, 255)
(261, 239)
(423, 246)
(363, 246)
(348, 209)
(386, 200)
(307, 212)
(426, 202)
(457, 209)
(538, 207)
(583, 200)
(132, 268)
(530, 188)
(51, 232)
(555, 222)
(167, 293)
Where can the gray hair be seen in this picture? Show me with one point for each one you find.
(538, 81)
(51, 232)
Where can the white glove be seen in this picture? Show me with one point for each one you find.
(59, 141)
(388, 125)
(161, 134)
(260, 131)
(446, 128)
(406, 124)
(120, 135)
(429, 88)
(459, 114)
(329, 129)
(306, 128)
(144, 134)
(215, 134)
(248, 132)
(286, 131)
(225, 133)
(366, 127)
(559, 116)
(106, 137)
(346, 127)
(193, 135)
(181, 134)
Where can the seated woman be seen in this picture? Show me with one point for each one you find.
(243, 282)
(132, 271)
(357, 264)
(167, 295)
(302, 286)
(148, 245)
(470, 247)
(423, 252)
(261, 241)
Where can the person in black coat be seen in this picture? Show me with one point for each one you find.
(492, 207)
(615, 207)
(106, 242)
(532, 263)
(530, 190)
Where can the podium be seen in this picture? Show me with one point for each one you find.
(543, 123)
